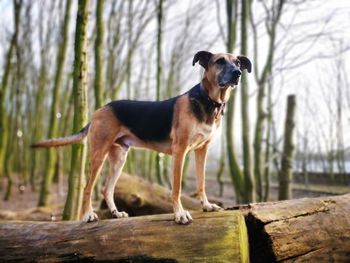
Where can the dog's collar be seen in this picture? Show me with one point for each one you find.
(202, 105)
(211, 102)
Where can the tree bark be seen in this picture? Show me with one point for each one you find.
(45, 191)
(77, 172)
(235, 171)
(212, 237)
(99, 54)
(159, 160)
(285, 175)
(4, 85)
(300, 230)
(247, 164)
(262, 80)
(99, 66)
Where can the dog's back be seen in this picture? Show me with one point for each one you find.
(148, 120)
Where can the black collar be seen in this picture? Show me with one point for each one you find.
(210, 101)
(198, 95)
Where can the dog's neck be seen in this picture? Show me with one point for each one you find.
(217, 94)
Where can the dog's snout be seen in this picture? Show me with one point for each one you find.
(236, 73)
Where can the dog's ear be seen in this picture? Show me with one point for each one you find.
(245, 63)
(203, 57)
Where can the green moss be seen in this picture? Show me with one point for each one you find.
(233, 244)
(243, 239)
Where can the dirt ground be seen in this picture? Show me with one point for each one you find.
(25, 202)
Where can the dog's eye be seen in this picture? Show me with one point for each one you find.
(221, 61)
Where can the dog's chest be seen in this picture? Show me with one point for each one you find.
(202, 133)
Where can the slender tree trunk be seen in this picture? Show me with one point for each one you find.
(285, 175)
(130, 51)
(9, 153)
(4, 136)
(18, 82)
(40, 95)
(261, 118)
(263, 81)
(99, 98)
(45, 191)
(258, 138)
(304, 162)
(221, 168)
(268, 141)
(99, 56)
(234, 169)
(76, 176)
(159, 159)
(248, 180)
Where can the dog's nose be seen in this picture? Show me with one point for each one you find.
(236, 73)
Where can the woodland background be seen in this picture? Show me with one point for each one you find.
(141, 49)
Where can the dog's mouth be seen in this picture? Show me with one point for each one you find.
(230, 83)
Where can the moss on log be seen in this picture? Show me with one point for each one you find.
(212, 237)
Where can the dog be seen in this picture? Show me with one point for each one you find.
(174, 126)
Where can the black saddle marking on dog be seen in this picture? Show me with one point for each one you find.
(202, 105)
(148, 120)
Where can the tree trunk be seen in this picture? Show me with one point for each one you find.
(4, 85)
(258, 139)
(263, 80)
(247, 164)
(99, 54)
(99, 58)
(268, 143)
(300, 230)
(285, 175)
(221, 168)
(235, 171)
(159, 161)
(212, 237)
(76, 175)
(44, 199)
(38, 109)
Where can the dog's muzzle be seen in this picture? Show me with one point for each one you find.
(229, 77)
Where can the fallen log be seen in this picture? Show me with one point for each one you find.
(138, 196)
(300, 230)
(212, 237)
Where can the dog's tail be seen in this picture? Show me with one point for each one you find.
(74, 138)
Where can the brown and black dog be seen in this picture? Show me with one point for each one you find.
(174, 126)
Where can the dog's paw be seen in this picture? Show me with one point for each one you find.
(117, 214)
(211, 207)
(183, 217)
(90, 217)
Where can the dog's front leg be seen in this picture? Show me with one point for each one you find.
(201, 155)
(181, 216)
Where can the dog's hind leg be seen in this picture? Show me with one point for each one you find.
(117, 157)
(102, 132)
(97, 159)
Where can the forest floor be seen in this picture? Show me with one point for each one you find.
(23, 203)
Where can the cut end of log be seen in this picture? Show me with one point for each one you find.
(260, 243)
(305, 230)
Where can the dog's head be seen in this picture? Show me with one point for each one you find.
(222, 69)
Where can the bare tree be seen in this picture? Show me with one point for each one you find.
(77, 174)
